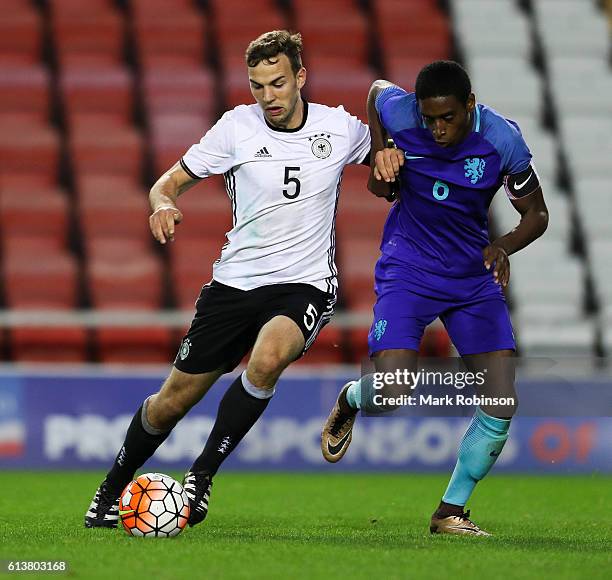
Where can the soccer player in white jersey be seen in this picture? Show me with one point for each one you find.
(274, 285)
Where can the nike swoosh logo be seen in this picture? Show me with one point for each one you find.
(123, 512)
(333, 449)
(414, 156)
(517, 186)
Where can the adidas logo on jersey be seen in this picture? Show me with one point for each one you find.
(263, 152)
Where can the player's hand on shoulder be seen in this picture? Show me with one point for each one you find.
(162, 222)
(497, 258)
(388, 163)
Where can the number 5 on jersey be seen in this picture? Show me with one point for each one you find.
(310, 317)
(289, 179)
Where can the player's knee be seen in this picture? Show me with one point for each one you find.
(265, 368)
(168, 407)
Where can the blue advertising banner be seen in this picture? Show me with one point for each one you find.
(79, 421)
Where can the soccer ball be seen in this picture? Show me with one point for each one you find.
(153, 506)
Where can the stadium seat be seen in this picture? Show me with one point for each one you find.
(563, 340)
(323, 87)
(169, 30)
(30, 149)
(568, 78)
(594, 206)
(490, 84)
(191, 263)
(123, 274)
(493, 29)
(38, 273)
(83, 31)
(568, 27)
(356, 258)
(134, 345)
(36, 212)
(101, 90)
(25, 93)
(181, 91)
(125, 216)
(171, 134)
(589, 145)
(114, 151)
(343, 32)
(20, 34)
(410, 30)
(55, 344)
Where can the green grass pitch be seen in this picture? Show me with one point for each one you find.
(322, 526)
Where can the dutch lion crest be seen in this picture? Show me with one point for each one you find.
(379, 329)
(474, 169)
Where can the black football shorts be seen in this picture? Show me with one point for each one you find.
(228, 320)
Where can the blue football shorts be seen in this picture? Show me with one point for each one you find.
(473, 310)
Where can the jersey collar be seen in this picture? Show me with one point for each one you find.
(301, 126)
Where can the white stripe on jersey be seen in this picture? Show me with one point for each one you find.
(284, 188)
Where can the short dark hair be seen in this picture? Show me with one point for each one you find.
(443, 78)
(271, 44)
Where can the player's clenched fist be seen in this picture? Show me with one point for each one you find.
(388, 163)
(162, 221)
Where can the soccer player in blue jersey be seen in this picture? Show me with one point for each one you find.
(452, 155)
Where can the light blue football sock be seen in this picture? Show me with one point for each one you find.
(360, 395)
(353, 395)
(481, 445)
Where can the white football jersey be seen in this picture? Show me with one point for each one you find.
(283, 186)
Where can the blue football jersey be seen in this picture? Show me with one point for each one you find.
(441, 222)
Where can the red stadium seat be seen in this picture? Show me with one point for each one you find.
(172, 135)
(25, 91)
(134, 345)
(186, 91)
(361, 214)
(191, 261)
(105, 90)
(123, 274)
(37, 273)
(115, 151)
(236, 88)
(87, 29)
(351, 93)
(179, 36)
(40, 212)
(20, 33)
(125, 216)
(342, 32)
(403, 70)
(30, 149)
(356, 260)
(49, 344)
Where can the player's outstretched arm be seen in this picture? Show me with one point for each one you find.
(534, 221)
(162, 198)
(378, 183)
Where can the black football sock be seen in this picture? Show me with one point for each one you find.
(448, 509)
(238, 412)
(141, 442)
